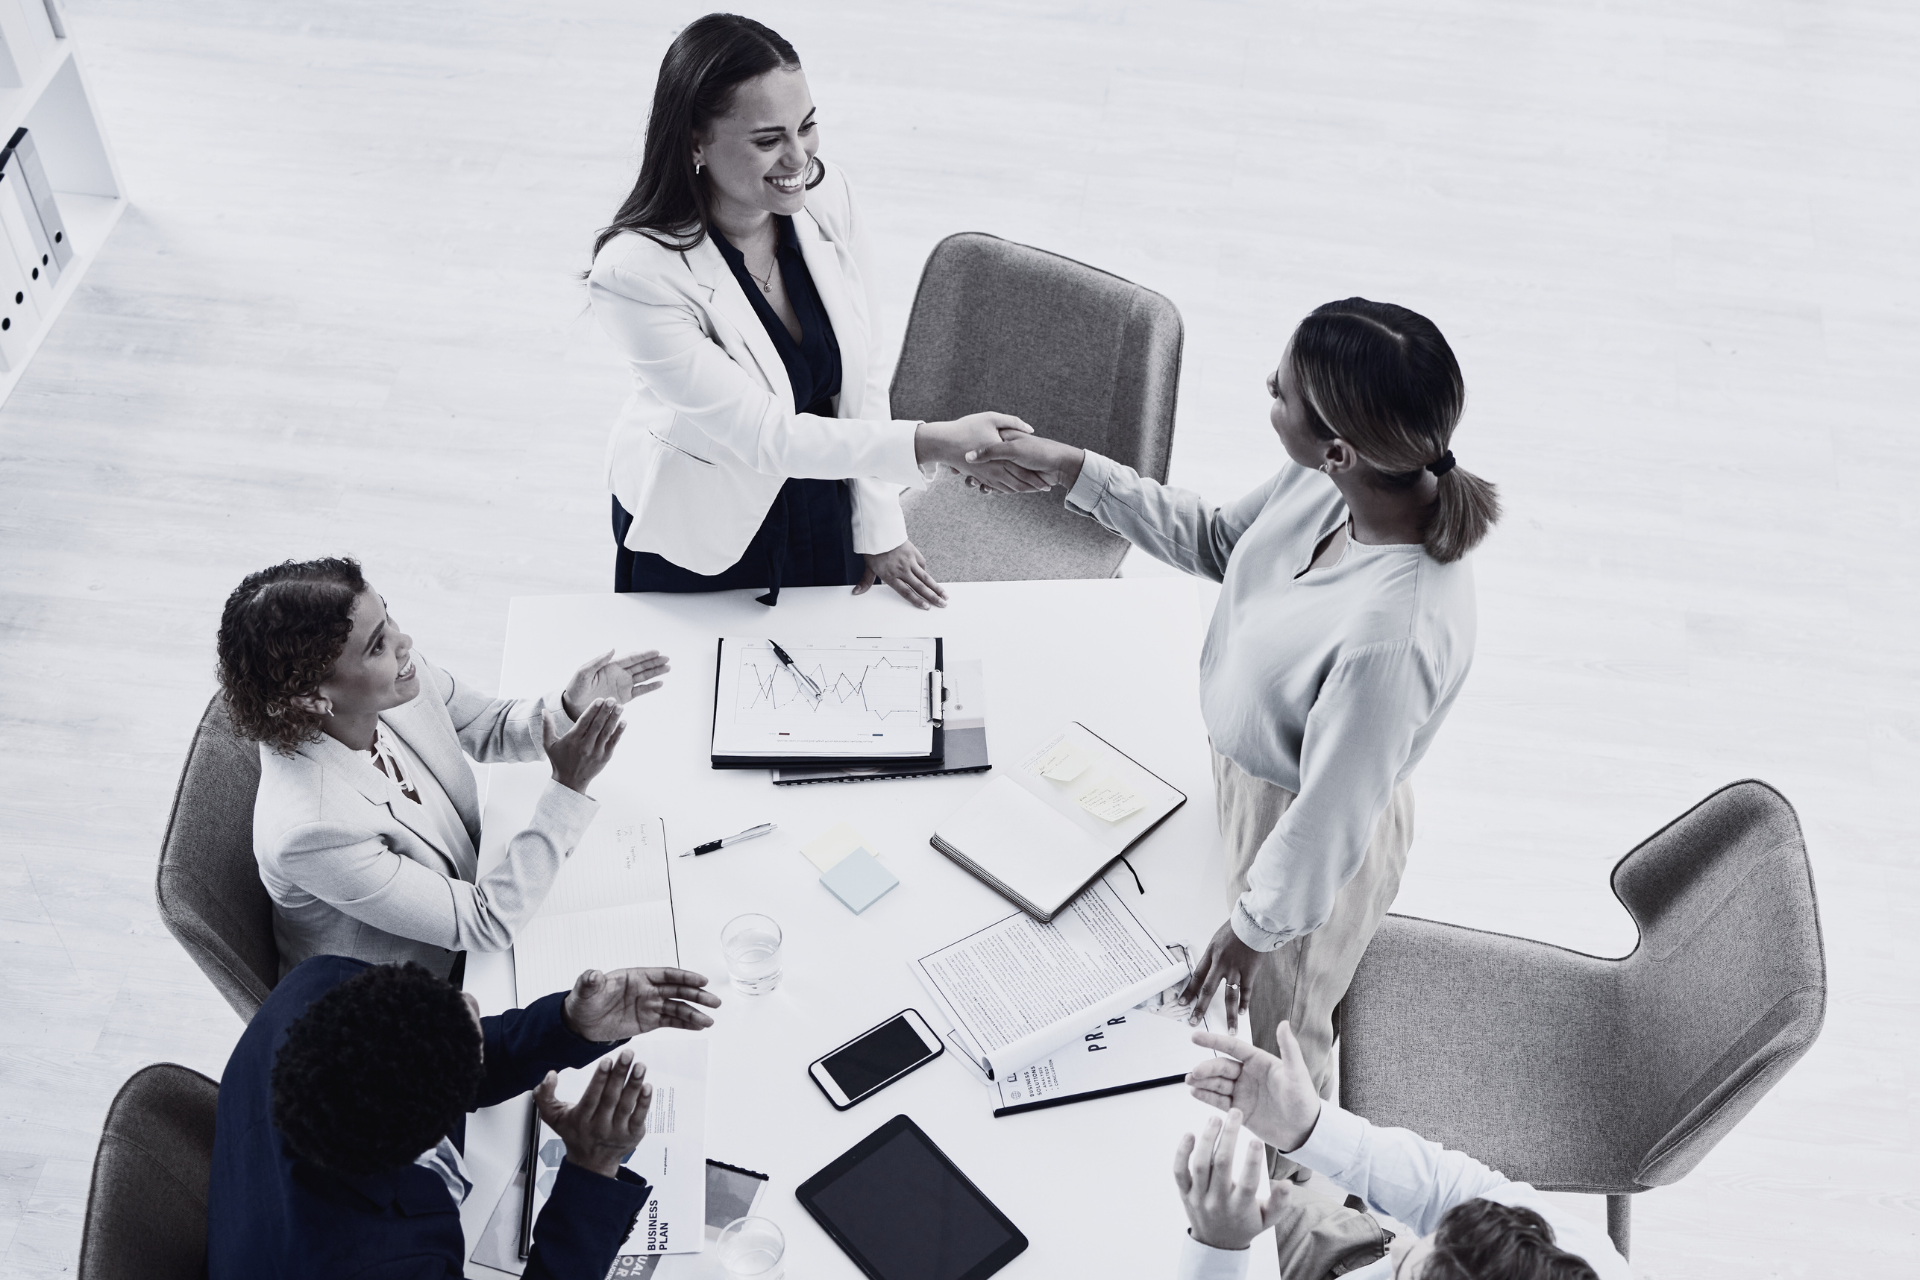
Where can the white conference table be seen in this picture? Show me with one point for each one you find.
(1088, 1183)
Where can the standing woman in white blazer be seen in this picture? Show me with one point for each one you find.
(757, 448)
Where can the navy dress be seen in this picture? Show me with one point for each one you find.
(806, 539)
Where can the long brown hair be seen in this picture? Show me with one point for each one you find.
(704, 65)
(1383, 379)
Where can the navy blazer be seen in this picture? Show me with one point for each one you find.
(270, 1213)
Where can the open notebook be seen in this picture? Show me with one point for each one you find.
(610, 907)
(1042, 831)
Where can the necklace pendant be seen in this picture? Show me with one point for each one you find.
(766, 288)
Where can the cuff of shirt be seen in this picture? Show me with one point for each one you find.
(1096, 470)
(564, 813)
(1334, 1145)
(1204, 1262)
(1253, 933)
(556, 702)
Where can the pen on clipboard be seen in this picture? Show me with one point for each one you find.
(750, 833)
(798, 675)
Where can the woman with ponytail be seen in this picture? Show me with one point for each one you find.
(1343, 634)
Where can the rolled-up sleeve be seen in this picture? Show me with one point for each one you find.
(1359, 735)
(1175, 526)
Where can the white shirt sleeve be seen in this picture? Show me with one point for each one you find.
(1204, 1262)
(1174, 526)
(1415, 1181)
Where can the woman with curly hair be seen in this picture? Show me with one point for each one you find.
(367, 821)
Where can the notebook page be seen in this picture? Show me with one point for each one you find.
(1075, 764)
(621, 859)
(1010, 835)
(553, 950)
(840, 697)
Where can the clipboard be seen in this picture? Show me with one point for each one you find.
(930, 699)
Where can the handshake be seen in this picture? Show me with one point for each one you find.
(998, 453)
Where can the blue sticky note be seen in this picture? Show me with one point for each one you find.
(858, 880)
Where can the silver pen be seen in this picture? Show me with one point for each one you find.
(797, 674)
(751, 833)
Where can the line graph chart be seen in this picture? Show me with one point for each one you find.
(873, 697)
(881, 685)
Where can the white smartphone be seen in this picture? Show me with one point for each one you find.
(874, 1059)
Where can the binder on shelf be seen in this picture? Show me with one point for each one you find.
(21, 153)
(19, 314)
(26, 247)
(56, 19)
(32, 33)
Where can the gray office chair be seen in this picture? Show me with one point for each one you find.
(1577, 1073)
(147, 1205)
(1081, 355)
(209, 886)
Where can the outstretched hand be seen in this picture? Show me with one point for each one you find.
(606, 676)
(1225, 1211)
(954, 444)
(1050, 460)
(1276, 1094)
(579, 756)
(608, 1121)
(631, 1002)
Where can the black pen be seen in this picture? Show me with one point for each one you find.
(749, 834)
(797, 673)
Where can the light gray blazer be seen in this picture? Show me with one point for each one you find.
(356, 869)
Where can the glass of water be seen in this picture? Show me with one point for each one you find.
(752, 947)
(752, 1248)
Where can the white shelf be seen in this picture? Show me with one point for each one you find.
(55, 105)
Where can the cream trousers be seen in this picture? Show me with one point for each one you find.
(1305, 979)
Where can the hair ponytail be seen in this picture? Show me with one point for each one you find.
(1464, 511)
(1383, 379)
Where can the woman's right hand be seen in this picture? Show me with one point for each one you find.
(579, 757)
(1050, 460)
(953, 444)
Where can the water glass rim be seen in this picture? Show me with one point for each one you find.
(779, 934)
(740, 1226)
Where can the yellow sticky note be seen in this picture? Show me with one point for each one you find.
(1064, 762)
(1110, 799)
(826, 851)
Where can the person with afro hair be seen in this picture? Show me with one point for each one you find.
(1471, 1222)
(342, 1117)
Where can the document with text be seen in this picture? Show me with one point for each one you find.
(1018, 989)
(611, 907)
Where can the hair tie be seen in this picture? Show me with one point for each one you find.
(1443, 465)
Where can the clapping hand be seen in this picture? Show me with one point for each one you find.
(608, 1121)
(579, 756)
(1275, 1094)
(622, 679)
(630, 1002)
(1226, 1212)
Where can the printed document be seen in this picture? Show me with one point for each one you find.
(1019, 989)
(610, 907)
(672, 1157)
(1132, 1049)
(850, 697)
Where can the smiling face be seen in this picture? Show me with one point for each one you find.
(757, 156)
(375, 672)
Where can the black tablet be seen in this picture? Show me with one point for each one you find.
(903, 1211)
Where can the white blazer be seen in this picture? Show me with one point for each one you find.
(357, 869)
(709, 434)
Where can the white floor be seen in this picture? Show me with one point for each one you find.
(1671, 242)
